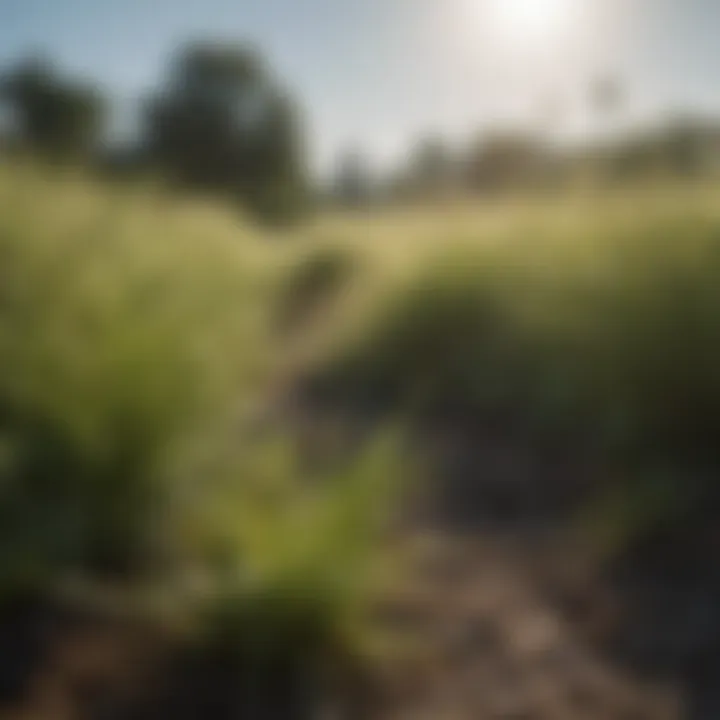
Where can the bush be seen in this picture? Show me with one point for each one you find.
(117, 346)
(450, 338)
(295, 565)
(654, 341)
(613, 340)
(128, 350)
(280, 205)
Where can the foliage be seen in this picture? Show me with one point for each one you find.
(608, 334)
(298, 561)
(505, 160)
(54, 117)
(223, 124)
(352, 184)
(134, 348)
(115, 351)
(136, 335)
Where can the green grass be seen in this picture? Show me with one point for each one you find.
(138, 340)
(122, 334)
(582, 321)
(137, 334)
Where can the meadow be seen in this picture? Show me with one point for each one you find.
(148, 345)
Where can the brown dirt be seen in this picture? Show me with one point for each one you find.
(488, 643)
(496, 647)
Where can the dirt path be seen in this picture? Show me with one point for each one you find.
(496, 649)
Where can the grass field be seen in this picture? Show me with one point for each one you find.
(140, 336)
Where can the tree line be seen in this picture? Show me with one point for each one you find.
(220, 122)
(531, 157)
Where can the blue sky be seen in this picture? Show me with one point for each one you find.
(375, 73)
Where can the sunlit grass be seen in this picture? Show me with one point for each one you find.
(138, 340)
(139, 334)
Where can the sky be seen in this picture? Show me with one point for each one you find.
(373, 75)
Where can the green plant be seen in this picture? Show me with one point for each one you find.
(119, 342)
(294, 559)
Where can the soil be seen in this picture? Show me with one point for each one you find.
(506, 620)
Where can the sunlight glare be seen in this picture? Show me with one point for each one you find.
(526, 19)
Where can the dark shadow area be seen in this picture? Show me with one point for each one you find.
(650, 613)
(62, 660)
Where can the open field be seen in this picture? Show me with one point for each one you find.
(249, 439)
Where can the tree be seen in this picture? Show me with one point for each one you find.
(222, 124)
(504, 160)
(687, 144)
(432, 167)
(352, 184)
(50, 115)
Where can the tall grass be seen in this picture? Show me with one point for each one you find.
(135, 335)
(607, 331)
(114, 342)
(137, 340)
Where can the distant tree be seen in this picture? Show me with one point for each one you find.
(221, 123)
(352, 184)
(48, 114)
(503, 160)
(637, 156)
(432, 167)
(686, 146)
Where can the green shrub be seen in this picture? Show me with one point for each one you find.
(117, 346)
(133, 337)
(278, 205)
(295, 570)
(613, 339)
(449, 338)
(653, 332)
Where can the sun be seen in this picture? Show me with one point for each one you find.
(532, 18)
